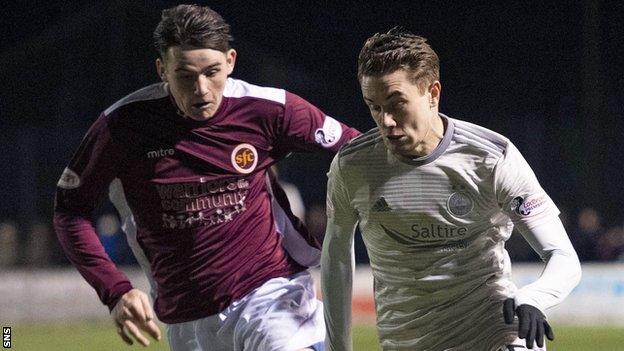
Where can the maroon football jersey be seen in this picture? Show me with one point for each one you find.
(209, 220)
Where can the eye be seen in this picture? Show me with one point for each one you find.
(211, 73)
(400, 103)
(374, 108)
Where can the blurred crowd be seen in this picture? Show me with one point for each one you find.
(36, 246)
(593, 238)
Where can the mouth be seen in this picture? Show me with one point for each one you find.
(201, 105)
(395, 138)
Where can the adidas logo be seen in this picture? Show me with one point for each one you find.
(381, 205)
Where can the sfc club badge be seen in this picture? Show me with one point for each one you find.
(244, 158)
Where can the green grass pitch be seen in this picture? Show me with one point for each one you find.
(101, 336)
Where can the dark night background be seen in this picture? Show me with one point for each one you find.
(548, 75)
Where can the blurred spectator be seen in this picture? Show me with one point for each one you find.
(294, 196)
(114, 240)
(610, 246)
(316, 221)
(519, 249)
(9, 244)
(38, 251)
(564, 216)
(585, 237)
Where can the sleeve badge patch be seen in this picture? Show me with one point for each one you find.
(330, 134)
(525, 206)
(69, 180)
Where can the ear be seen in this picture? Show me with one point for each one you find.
(435, 89)
(160, 68)
(230, 60)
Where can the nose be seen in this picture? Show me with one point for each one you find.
(387, 120)
(201, 85)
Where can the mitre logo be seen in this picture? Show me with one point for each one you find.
(244, 158)
(160, 153)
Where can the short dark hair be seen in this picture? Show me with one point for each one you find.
(192, 25)
(385, 53)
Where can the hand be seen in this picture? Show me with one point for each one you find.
(532, 324)
(133, 313)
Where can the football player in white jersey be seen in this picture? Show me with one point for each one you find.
(435, 199)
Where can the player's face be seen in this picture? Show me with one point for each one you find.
(196, 78)
(403, 112)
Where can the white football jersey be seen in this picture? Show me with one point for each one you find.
(435, 228)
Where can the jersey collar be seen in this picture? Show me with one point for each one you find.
(438, 151)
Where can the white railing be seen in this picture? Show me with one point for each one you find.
(45, 295)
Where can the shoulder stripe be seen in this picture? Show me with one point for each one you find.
(150, 92)
(483, 137)
(235, 88)
(374, 131)
(371, 134)
(479, 143)
(365, 140)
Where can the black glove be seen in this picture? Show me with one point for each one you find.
(532, 324)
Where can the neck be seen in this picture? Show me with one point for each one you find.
(432, 138)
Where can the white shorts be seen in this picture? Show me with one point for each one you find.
(281, 315)
(520, 345)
